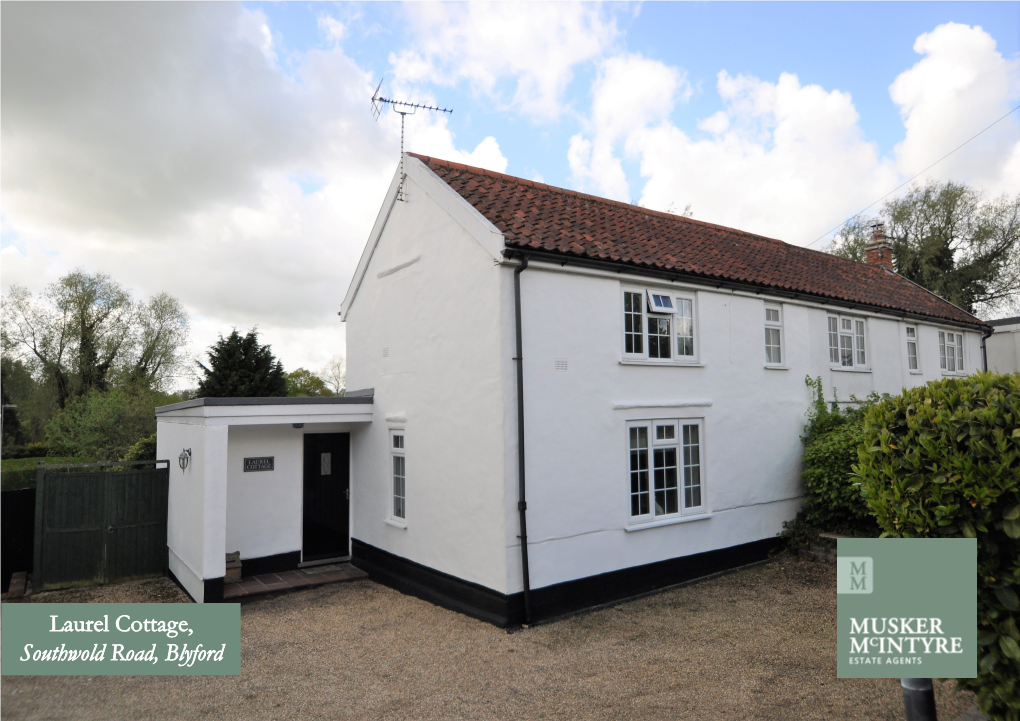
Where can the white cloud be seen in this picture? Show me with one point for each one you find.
(790, 160)
(630, 92)
(961, 85)
(170, 157)
(333, 28)
(485, 43)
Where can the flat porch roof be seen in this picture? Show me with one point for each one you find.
(354, 407)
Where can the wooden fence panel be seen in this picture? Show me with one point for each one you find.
(96, 526)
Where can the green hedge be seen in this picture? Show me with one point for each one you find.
(832, 495)
(943, 460)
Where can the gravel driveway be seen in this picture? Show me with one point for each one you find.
(756, 644)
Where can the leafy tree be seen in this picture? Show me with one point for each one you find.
(960, 248)
(852, 237)
(85, 330)
(240, 367)
(104, 426)
(36, 400)
(948, 239)
(305, 383)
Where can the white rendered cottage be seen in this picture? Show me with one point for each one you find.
(621, 387)
(653, 424)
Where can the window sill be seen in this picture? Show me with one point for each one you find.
(916, 373)
(946, 374)
(769, 367)
(841, 369)
(665, 363)
(667, 522)
(395, 523)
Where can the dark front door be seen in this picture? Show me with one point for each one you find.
(327, 484)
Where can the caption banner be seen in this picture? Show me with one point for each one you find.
(119, 639)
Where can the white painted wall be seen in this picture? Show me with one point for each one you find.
(196, 513)
(577, 460)
(441, 380)
(1003, 348)
(264, 508)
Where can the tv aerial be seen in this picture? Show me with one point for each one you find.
(404, 108)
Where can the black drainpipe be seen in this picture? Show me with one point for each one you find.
(522, 505)
(984, 351)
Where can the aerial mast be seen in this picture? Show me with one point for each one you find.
(405, 108)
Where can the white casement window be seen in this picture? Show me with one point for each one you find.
(399, 470)
(659, 326)
(773, 335)
(951, 351)
(666, 474)
(912, 348)
(633, 323)
(847, 342)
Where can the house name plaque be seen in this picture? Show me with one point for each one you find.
(262, 463)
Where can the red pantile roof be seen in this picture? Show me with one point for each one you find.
(538, 217)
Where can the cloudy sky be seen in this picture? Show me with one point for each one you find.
(225, 152)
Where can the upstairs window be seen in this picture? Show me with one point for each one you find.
(633, 323)
(659, 326)
(684, 328)
(951, 351)
(847, 342)
(773, 335)
(912, 347)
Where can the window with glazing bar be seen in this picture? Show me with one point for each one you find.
(847, 342)
(399, 474)
(652, 319)
(666, 476)
(773, 335)
(912, 347)
(951, 351)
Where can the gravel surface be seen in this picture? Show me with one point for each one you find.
(756, 644)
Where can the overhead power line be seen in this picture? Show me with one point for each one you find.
(989, 127)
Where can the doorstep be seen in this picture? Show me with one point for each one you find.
(300, 578)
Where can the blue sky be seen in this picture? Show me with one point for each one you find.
(857, 47)
(225, 153)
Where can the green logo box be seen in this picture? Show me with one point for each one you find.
(906, 607)
(120, 639)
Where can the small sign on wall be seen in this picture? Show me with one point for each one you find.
(263, 463)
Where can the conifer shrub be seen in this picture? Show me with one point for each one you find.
(943, 461)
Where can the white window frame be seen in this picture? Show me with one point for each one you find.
(672, 455)
(854, 330)
(674, 320)
(777, 326)
(911, 333)
(952, 353)
(397, 450)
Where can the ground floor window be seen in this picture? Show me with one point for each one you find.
(666, 468)
(399, 473)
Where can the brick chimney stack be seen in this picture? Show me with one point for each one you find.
(879, 250)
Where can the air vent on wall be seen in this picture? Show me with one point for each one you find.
(560, 364)
(385, 352)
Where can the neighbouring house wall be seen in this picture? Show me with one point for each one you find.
(196, 513)
(1003, 348)
(577, 452)
(427, 338)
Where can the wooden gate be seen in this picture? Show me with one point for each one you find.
(96, 522)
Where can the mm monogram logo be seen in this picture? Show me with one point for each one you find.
(855, 574)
